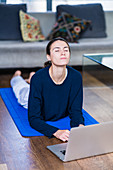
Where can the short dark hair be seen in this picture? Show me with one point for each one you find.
(52, 41)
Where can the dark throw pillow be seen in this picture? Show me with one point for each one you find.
(92, 12)
(9, 21)
(68, 27)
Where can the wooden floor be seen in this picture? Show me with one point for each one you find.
(19, 153)
(98, 99)
(6, 75)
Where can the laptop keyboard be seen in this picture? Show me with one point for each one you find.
(63, 152)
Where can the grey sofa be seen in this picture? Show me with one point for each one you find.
(16, 53)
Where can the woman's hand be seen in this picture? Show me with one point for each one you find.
(80, 125)
(62, 135)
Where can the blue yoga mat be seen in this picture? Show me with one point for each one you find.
(19, 115)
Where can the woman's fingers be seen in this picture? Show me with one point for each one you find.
(66, 135)
(62, 135)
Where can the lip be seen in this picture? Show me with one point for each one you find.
(63, 58)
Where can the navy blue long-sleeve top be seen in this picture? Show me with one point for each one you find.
(49, 101)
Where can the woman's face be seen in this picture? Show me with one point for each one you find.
(59, 53)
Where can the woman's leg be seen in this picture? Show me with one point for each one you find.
(29, 78)
(20, 88)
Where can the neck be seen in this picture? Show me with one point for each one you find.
(58, 74)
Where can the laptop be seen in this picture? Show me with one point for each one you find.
(85, 141)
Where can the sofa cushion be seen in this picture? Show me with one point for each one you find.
(9, 21)
(92, 12)
(68, 27)
(30, 28)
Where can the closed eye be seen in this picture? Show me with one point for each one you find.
(57, 50)
(66, 50)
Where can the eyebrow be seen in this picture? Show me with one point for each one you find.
(59, 47)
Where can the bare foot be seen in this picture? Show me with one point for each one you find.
(17, 73)
(30, 76)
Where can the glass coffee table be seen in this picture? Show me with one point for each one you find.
(98, 85)
(100, 66)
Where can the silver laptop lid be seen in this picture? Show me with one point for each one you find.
(89, 141)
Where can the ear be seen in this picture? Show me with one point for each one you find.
(48, 57)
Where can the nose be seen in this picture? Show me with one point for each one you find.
(62, 51)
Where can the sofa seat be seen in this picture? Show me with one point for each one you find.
(32, 54)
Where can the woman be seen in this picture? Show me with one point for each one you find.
(55, 92)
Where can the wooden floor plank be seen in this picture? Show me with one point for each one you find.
(99, 103)
(101, 162)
